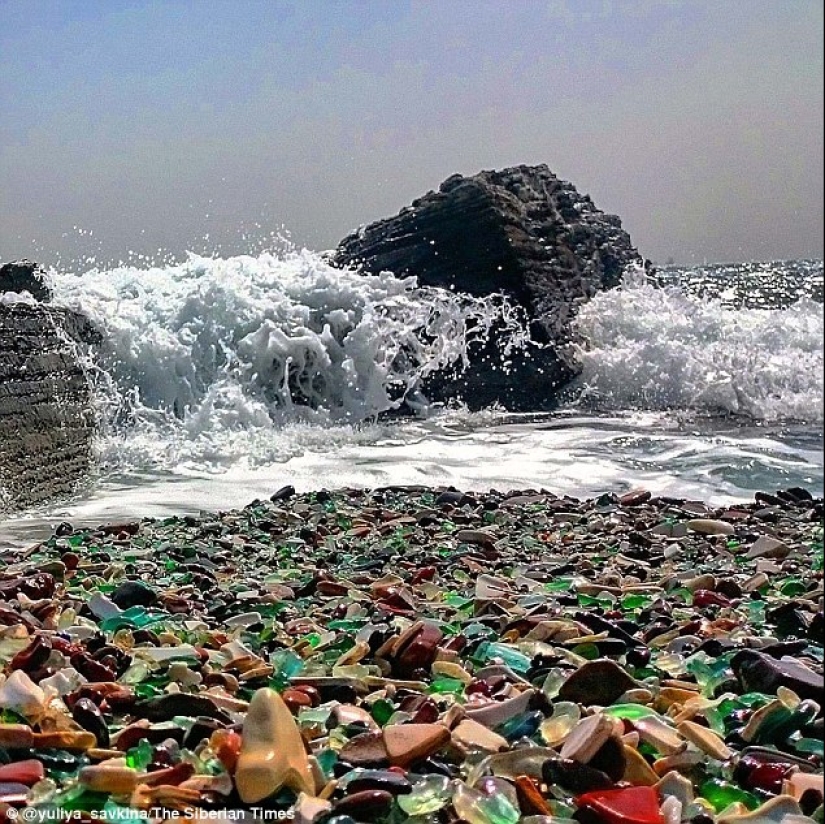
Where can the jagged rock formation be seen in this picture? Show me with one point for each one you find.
(46, 416)
(520, 231)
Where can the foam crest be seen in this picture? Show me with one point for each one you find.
(211, 360)
(659, 348)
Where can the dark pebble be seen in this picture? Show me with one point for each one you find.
(89, 716)
(366, 805)
(166, 707)
(597, 682)
(575, 777)
(760, 673)
(134, 594)
(384, 780)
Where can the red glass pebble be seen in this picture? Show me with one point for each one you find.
(26, 772)
(171, 776)
(627, 805)
(768, 777)
(331, 588)
(296, 700)
(41, 585)
(422, 709)
(227, 746)
(420, 652)
(65, 646)
(531, 801)
(478, 687)
(314, 695)
(33, 656)
(423, 574)
(706, 598)
(91, 669)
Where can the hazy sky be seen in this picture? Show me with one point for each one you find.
(154, 123)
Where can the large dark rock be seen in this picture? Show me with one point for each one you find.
(522, 232)
(47, 421)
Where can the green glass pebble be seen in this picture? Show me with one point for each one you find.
(327, 759)
(271, 610)
(681, 593)
(793, 587)
(630, 711)
(11, 717)
(648, 750)
(756, 612)
(721, 794)
(632, 602)
(809, 745)
(382, 711)
(146, 690)
(721, 715)
(476, 630)
(287, 664)
(60, 763)
(590, 652)
(347, 624)
(314, 716)
(134, 617)
(475, 808)
(513, 658)
(499, 810)
(140, 756)
(523, 725)
(643, 673)
(429, 795)
(559, 585)
(776, 727)
(446, 686)
(753, 700)
(562, 811)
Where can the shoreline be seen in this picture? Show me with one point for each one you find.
(483, 656)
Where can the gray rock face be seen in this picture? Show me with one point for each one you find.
(46, 417)
(520, 231)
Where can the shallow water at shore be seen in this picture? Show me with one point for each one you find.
(701, 459)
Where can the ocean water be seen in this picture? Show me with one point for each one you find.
(223, 379)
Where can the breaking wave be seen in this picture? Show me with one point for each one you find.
(647, 347)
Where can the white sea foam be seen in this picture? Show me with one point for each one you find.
(216, 361)
(213, 363)
(659, 348)
(10, 298)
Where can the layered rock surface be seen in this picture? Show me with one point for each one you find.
(519, 231)
(46, 416)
